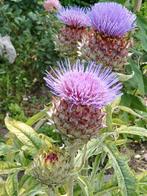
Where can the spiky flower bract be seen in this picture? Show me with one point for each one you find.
(50, 5)
(74, 16)
(110, 40)
(112, 19)
(75, 22)
(82, 91)
(51, 166)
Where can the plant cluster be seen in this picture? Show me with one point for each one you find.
(72, 146)
(30, 31)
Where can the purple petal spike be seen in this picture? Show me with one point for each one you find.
(112, 19)
(93, 85)
(74, 17)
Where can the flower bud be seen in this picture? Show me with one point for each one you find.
(52, 166)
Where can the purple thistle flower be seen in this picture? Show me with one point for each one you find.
(79, 85)
(74, 16)
(112, 19)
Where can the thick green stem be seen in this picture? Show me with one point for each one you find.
(70, 185)
(109, 118)
(51, 192)
(73, 149)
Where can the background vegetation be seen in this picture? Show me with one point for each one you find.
(31, 31)
(23, 93)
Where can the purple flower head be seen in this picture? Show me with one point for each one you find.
(91, 85)
(74, 16)
(112, 19)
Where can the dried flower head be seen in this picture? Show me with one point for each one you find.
(112, 19)
(74, 17)
(82, 91)
(50, 5)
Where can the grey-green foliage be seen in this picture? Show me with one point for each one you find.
(99, 167)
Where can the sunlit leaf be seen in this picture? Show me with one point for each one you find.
(31, 121)
(4, 149)
(83, 186)
(29, 186)
(23, 132)
(124, 77)
(128, 110)
(9, 167)
(133, 130)
(11, 185)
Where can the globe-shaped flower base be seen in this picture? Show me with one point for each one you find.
(66, 42)
(109, 51)
(77, 121)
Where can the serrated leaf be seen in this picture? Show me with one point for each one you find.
(137, 80)
(83, 186)
(94, 147)
(142, 183)
(9, 167)
(2, 188)
(107, 190)
(117, 121)
(133, 102)
(142, 34)
(30, 186)
(11, 185)
(124, 77)
(129, 110)
(133, 130)
(47, 140)
(23, 132)
(4, 149)
(31, 121)
(125, 178)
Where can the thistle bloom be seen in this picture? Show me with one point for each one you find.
(50, 5)
(110, 40)
(75, 22)
(112, 19)
(82, 92)
(74, 17)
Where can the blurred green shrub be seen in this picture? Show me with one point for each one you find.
(30, 29)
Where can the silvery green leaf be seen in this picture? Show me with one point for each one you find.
(124, 77)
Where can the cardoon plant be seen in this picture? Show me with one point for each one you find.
(75, 22)
(81, 93)
(109, 43)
